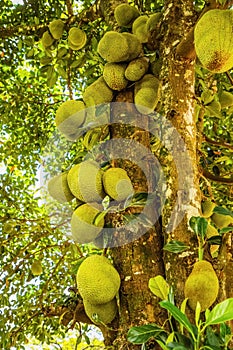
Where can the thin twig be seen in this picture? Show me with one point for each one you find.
(217, 143)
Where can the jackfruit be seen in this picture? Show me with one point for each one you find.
(113, 47)
(125, 14)
(153, 21)
(76, 38)
(114, 75)
(47, 40)
(82, 223)
(156, 67)
(69, 117)
(36, 268)
(221, 221)
(213, 40)
(134, 46)
(56, 28)
(226, 99)
(85, 181)
(97, 93)
(201, 285)
(137, 68)
(117, 184)
(207, 208)
(9, 226)
(98, 281)
(101, 313)
(147, 94)
(58, 188)
(211, 231)
(139, 28)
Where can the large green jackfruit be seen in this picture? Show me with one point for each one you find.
(83, 227)
(69, 117)
(101, 313)
(139, 28)
(226, 99)
(85, 181)
(114, 75)
(221, 221)
(147, 94)
(97, 93)
(201, 285)
(153, 21)
(97, 279)
(58, 188)
(134, 46)
(56, 28)
(125, 14)
(207, 208)
(113, 47)
(117, 184)
(76, 38)
(213, 39)
(137, 68)
(47, 40)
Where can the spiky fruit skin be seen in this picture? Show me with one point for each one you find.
(98, 281)
(69, 117)
(221, 221)
(97, 93)
(114, 76)
(207, 208)
(113, 47)
(153, 21)
(136, 69)
(202, 285)
(213, 40)
(77, 38)
(117, 184)
(36, 268)
(58, 188)
(226, 99)
(134, 46)
(85, 181)
(105, 312)
(147, 94)
(139, 28)
(125, 14)
(47, 40)
(56, 28)
(82, 223)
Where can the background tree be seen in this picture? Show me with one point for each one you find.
(34, 82)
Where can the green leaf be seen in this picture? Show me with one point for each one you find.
(163, 347)
(222, 312)
(159, 287)
(223, 211)
(140, 335)
(175, 247)
(178, 315)
(197, 313)
(198, 225)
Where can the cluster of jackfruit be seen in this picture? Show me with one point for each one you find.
(201, 285)
(98, 284)
(117, 184)
(214, 48)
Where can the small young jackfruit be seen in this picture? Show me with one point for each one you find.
(69, 117)
(113, 47)
(207, 208)
(134, 46)
(36, 268)
(58, 188)
(114, 75)
(147, 94)
(201, 285)
(221, 221)
(85, 181)
(117, 184)
(9, 226)
(97, 93)
(214, 48)
(153, 21)
(125, 14)
(139, 28)
(226, 99)
(76, 38)
(101, 313)
(82, 223)
(137, 68)
(56, 28)
(47, 40)
(98, 281)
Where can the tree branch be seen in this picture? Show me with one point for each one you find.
(217, 143)
(229, 77)
(215, 178)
